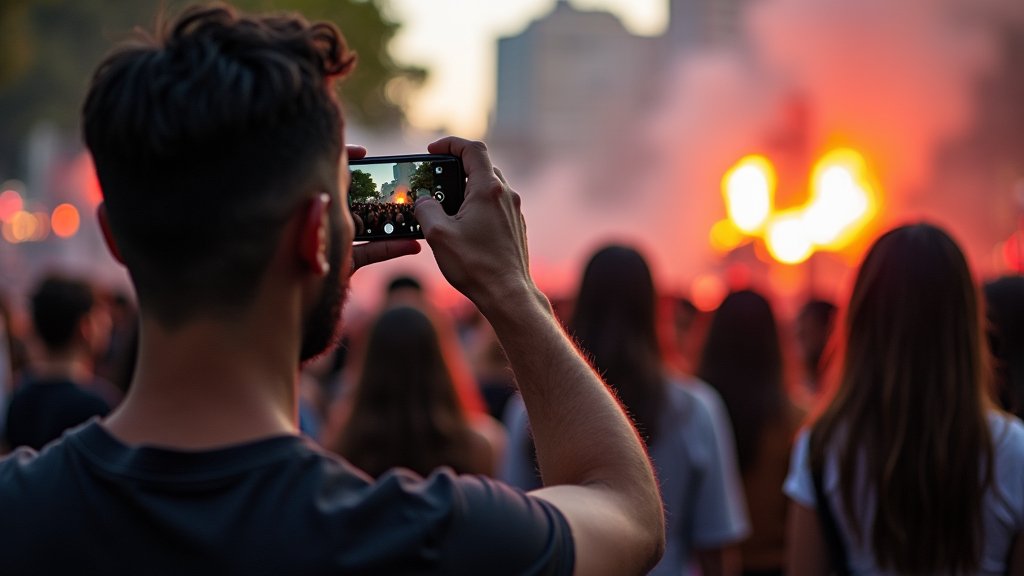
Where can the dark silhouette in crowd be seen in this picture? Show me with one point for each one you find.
(13, 358)
(814, 325)
(201, 469)
(404, 289)
(614, 322)
(406, 410)
(490, 365)
(58, 391)
(117, 363)
(743, 360)
(686, 329)
(1004, 305)
(919, 471)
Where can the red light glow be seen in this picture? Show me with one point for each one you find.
(65, 221)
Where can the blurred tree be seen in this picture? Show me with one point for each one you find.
(362, 188)
(422, 179)
(49, 49)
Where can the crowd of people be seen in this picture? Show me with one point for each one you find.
(383, 218)
(161, 434)
(735, 446)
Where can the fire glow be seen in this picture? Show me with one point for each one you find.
(842, 200)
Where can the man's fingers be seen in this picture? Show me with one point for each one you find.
(355, 152)
(473, 154)
(497, 172)
(373, 252)
(429, 213)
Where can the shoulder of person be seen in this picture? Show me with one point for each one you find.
(1007, 435)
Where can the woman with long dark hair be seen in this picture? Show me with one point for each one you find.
(919, 472)
(406, 410)
(743, 360)
(686, 431)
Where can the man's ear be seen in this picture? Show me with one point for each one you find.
(108, 236)
(313, 237)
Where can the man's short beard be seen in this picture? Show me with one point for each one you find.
(323, 324)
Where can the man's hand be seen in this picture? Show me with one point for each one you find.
(372, 252)
(590, 455)
(482, 249)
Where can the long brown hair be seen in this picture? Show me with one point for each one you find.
(406, 410)
(742, 359)
(614, 322)
(908, 422)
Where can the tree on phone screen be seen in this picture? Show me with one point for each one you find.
(362, 187)
(422, 179)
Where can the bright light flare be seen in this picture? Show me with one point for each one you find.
(724, 236)
(65, 221)
(10, 202)
(21, 227)
(842, 199)
(749, 189)
(707, 292)
(787, 238)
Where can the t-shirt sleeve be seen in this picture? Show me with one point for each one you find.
(799, 485)
(720, 514)
(495, 529)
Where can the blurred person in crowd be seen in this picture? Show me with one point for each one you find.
(490, 366)
(743, 360)
(1004, 305)
(404, 289)
(406, 411)
(614, 322)
(57, 393)
(10, 369)
(910, 466)
(685, 319)
(201, 467)
(814, 325)
(117, 363)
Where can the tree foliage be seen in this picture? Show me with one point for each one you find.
(422, 178)
(362, 187)
(49, 49)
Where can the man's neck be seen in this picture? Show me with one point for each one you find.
(208, 385)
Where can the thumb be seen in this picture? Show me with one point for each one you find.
(429, 213)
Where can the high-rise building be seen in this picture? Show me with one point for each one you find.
(703, 23)
(575, 81)
(569, 80)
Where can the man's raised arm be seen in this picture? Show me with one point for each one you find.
(593, 464)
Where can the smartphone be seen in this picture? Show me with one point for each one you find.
(383, 190)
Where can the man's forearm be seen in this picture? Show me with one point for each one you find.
(581, 433)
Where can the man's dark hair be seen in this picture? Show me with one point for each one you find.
(58, 305)
(206, 137)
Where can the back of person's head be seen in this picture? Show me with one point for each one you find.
(813, 329)
(206, 137)
(406, 410)
(58, 307)
(1004, 306)
(404, 290)
(909, 417)
(614, 323)
(742, 359)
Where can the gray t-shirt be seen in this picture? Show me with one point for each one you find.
(91, 505)
(695, 462)
(1002, 514)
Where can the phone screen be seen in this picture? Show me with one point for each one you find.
(383, 190)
